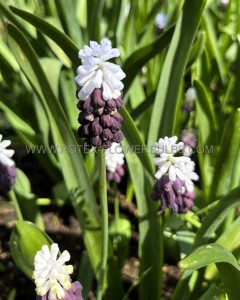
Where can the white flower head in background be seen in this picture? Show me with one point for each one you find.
(191, 94)
(168, 145)
(114, 162)
(6, 154)
(114, 156)
(96, 72)
(51, 275)
(161, 20)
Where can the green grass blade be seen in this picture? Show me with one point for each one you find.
(56, 35)
(138, 58)
(224, 178)
(134, 139)
(150, 239)
(217, 216)
(163, 114)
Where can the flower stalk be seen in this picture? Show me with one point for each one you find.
(104, 213)
(13, 198)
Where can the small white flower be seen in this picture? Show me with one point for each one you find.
(95, 72)
(168, 145)
(187, 169)
(6, 154)
(161, 20)
(167, 163)
(114, 157)
(191, 94)
(51, 275)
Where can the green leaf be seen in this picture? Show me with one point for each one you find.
(27, 200)
(217, 216)
(227, 168)
(68, 18)
(162, 119)
(207, 136)
(197, 48)
(52, 68)
(150, 249)
(134, 139)
(26, 239)
(56, 35)
(227, 265)
(140, 57)
(213, 292)
(54, 46)
(213, 44)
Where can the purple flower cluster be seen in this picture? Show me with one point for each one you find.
(117, 175)
(74, 293)
(100, 120)
(7, 177)
(173, 194)
(189, 138)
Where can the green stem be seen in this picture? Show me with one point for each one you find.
(104, 214)
(13, 198)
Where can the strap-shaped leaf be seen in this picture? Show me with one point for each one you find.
(165, 104)
(227, 265)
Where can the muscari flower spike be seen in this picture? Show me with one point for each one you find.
(188, 137)
(173, 186)
(160, 22)
(52, 276)
(99, 95)
(190, 97)
(114, 162)
(7, 166)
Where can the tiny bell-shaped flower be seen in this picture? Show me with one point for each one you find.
(99, 95)
(173, 186)
(114, 162)
(51, 275)
(7, 166)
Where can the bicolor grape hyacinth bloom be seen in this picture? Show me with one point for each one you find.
(99, 95)
(160, 22)
(174, 186)
(52, 276)
(190, 97)
(188, 137)
(7, 166)
(114, 162)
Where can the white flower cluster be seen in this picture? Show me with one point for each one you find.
(95, 72)
(190, 94)
(51, 275)
(175, 166)
(6, 154)
(114, 157)
(161, 20)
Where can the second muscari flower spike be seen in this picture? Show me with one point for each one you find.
(114, 163)
(99, 95)
(174, 186)
(52, 276)
(7, 166)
